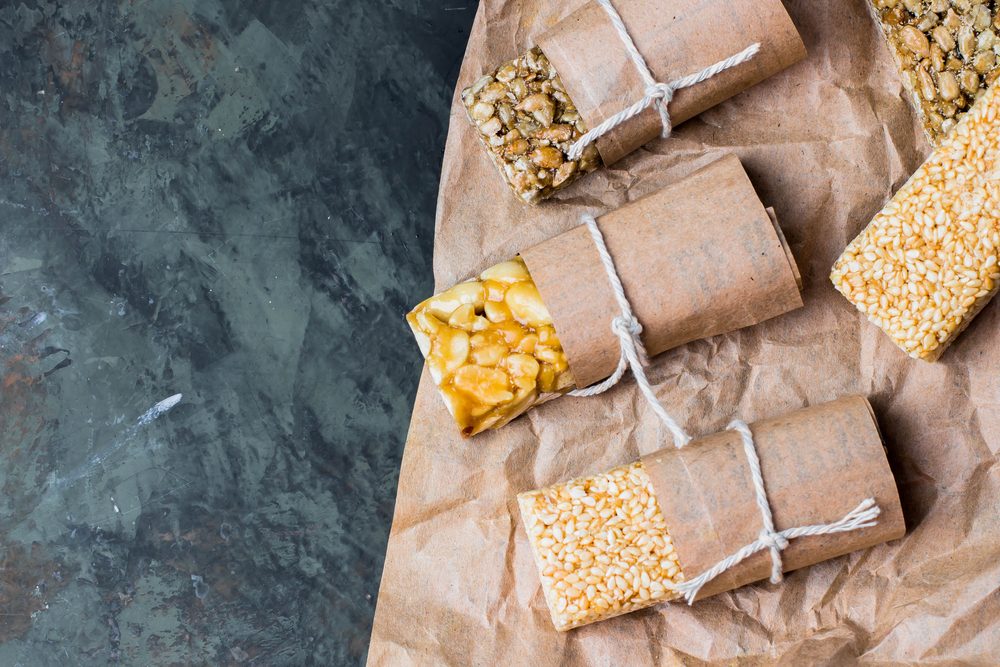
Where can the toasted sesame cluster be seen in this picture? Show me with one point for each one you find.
(927, 263)
(601, 545)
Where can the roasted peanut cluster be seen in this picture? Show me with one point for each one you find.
(490, 347)
(947, 51)
(601, 545)
(927, 264)
(528, 123)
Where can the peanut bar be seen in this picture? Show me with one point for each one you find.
(491, 348)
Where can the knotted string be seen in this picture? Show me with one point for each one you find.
(633, 355)
(865, 515)
(656, 94)
(633, 352)
(768, 536)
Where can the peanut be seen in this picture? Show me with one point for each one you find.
(491, 347)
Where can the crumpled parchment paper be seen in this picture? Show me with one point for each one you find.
(825, 143)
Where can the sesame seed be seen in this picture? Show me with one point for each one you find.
(926, 264)
(627, 540)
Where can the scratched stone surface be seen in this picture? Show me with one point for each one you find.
(213, 214)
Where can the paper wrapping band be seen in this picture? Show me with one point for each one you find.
(676, 38)
(697, 258)
(818, 464)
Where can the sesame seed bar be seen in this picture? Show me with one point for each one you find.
(927, 263)
(947, 54)
(527, 123)
(601, 545)
(491, 348)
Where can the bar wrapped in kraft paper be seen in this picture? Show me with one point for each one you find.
(696, 258)
(529, 111)
(618, 542)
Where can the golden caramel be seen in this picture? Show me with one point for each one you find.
(491, 348)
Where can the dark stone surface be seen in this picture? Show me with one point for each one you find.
(232, 200)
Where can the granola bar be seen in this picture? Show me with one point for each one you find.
(947, 54)
(527, 122)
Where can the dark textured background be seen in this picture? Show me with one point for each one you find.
(232, 200)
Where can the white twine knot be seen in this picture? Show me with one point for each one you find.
(633, 353)
(660, 91)
(772, 540)
(656, 94)
(776, 543)
(626, 326)
(865, 515)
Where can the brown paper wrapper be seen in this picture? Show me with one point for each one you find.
(697, 258)
(818, 464)
(826, 144)
(676, 38)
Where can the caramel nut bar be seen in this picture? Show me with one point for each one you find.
(947, 52)
(491, 348)
(527, 123)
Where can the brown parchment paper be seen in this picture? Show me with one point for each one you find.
(818, 464)
(676, 38)
(825, 142)
(696, 258)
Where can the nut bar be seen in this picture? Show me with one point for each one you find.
(601, 545)
(927, 263)
(947, 53)
(696, 258)
(528, 123)
(491, 348)
(580, 72)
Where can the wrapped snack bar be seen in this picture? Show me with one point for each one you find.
(668, 526)
(697, 258)
(533, 113)
(927, 263)
(946, 51)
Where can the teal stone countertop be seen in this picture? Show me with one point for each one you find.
(213, 216)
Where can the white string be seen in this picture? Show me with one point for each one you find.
(633, 352)
(633, 355)
(863, 516)
(657, 94)
(767, 535)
